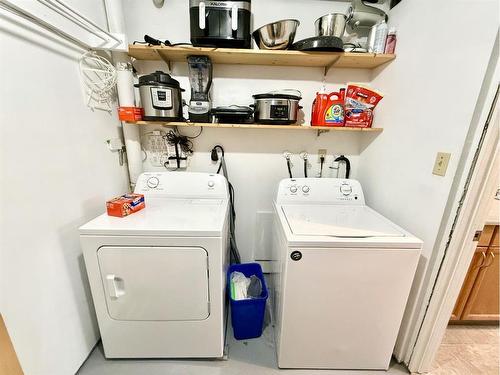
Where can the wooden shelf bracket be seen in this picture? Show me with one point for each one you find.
(164, 58)
(321, 131)
(332, 63)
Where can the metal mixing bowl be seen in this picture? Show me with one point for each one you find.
(276, 35)
(332, 24)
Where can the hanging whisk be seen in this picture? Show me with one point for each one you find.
(99, 81)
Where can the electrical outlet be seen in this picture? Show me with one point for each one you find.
(441, 163)
(321, 153)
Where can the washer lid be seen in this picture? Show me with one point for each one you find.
(165, 217)
(338, 221)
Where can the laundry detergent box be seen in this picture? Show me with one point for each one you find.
(125, 205)
(360, 101)
(356, 118)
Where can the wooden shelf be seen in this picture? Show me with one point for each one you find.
(259, 126)
(263, 57)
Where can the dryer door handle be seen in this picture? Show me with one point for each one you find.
(114, 289)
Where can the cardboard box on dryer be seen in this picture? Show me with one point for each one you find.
(125, 205)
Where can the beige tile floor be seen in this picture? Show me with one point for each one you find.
(468, 350)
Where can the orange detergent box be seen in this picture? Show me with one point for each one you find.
(125, 205)
(130, 113)
(358, 118)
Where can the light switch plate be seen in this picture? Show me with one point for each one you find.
(441, 163)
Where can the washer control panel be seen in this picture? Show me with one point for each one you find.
(320, 190)
(182, 185)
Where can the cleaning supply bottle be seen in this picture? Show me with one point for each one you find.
(390, 44)
(318, 108)
(334, 113)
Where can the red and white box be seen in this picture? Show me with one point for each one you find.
(360, 102)
(359, 119)
(130, 113)
(125, 205)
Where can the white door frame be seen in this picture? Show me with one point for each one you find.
(460, 249)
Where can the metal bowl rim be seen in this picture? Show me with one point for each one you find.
(272, 23)
(331, 14)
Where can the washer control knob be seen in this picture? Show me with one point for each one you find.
(346, 189)
(153, 182)
(293, 189)
(305, 189)
(211, 184)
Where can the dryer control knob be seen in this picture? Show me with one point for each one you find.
(305, 189)
(293, 189)
(153, 182)
(346, 189)
(211, 183)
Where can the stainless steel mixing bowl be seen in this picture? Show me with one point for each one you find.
(332, 24)
(276, 35)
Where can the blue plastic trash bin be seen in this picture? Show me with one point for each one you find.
(247, 316)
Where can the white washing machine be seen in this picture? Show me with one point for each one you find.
(158, 276)
(343, 277)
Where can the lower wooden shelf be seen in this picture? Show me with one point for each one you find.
(259, 126)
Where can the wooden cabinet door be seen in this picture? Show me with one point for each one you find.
(495, 240)
(474, 268)
(487, 235)
(483, 301)
(9, 364)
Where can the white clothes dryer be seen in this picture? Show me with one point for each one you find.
(158, 276)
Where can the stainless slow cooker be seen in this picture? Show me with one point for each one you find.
(161, 97)
(277, 107)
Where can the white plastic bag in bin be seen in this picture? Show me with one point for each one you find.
(239, 286)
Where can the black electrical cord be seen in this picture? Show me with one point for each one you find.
(180, 142)
(321, 163)
(215, 157)
(289, 165)
(188, 136)
(233, 247)
(305, 167)
(347, 164)
(150, 41)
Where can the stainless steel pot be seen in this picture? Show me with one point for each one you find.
(332, 24)
(276, 108)
(161, 97)
(276, 35)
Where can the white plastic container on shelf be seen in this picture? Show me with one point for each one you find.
(380, 37)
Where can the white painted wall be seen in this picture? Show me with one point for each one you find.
(43, 294)
(431, 93)
(56, 174)
(254, 157)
